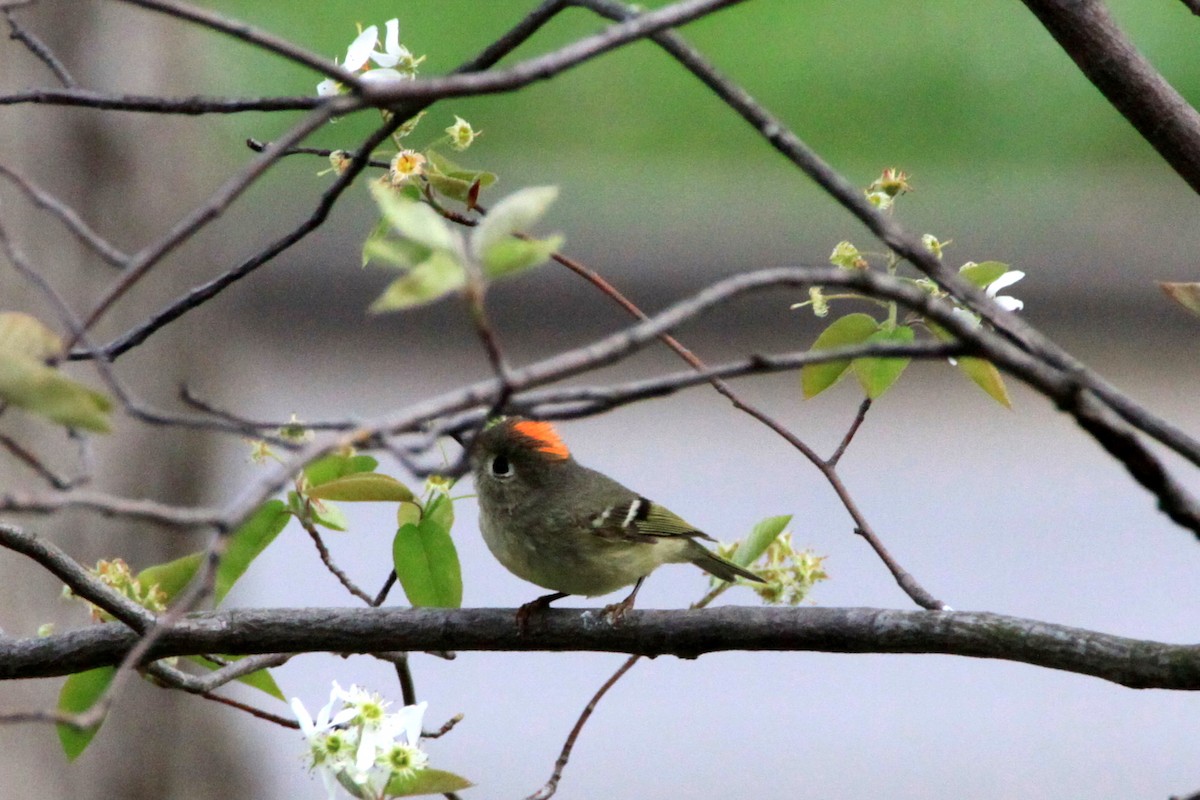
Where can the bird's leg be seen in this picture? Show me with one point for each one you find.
(535, 605)
(615, 613)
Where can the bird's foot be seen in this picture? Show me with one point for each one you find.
(615, 613)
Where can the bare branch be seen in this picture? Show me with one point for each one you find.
(109, 506)
(546, 66)
(688, 634)
(27, 458)
(1091, 37)
(247, 33)
(67, 215)
(154, 104)
(906, 244)
(145, 259)
(327, 560)
(202, 684)
(39, 49)
(74, 575)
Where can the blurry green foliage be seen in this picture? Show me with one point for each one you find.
(861, 80)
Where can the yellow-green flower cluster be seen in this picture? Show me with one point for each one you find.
(117, 575)
(789, 573)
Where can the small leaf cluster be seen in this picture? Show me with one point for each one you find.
(877, 375)
(29, 380)
(155, 587)
(437, 260)
(788, 574)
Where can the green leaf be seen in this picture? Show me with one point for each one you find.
(760, 538)
(172, 576)
(426, 781)
(413, 220)
(512, 214)
(987, 377)
(513, 255)
(319, 512)
(441, 510)
(28, 383)
(452, 180)
(327, 515)
(431, 280)
(24, 334)
(426, 563)
(984, 273)
(335, 466)
(259, 679)
(378, 234)
(401, 253)
(878, 374)
(363, 487)
(78, 694)
(849, 330)
(245, 544)
(1186, 294)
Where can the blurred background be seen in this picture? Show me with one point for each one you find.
(1013, 156)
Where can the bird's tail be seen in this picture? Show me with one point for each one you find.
(723, 568)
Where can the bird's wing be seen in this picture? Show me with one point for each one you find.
(640, 520)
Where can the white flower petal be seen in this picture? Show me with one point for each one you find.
(392, 51)
(384, 76)
(361, 48)
(1004, 281)
(409, 719)
(328, 88)
(307, 726)
(1009, 303)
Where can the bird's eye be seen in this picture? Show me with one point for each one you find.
(502, 467)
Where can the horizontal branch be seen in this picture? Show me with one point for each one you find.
(196, 104)
(687, 634)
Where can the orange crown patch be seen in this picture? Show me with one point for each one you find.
(544, 436)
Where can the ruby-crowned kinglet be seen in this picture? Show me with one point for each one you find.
(565, 527)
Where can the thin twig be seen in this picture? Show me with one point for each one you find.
(69, 217)
(861, 415)
(38, 48)
(551, 786)
(145, 259)
(329, 197)
(81, 582)
(327, 560)
(447, 726)
(283, 722)
(155, 104)
(30, 460)
(246, 33)
(232, 671)
(258, 146)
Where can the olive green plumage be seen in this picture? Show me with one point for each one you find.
(560, 525)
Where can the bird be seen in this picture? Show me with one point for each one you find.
(562, 526)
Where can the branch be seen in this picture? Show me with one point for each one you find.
(68, 216)
(1087, 32)
(38, 48)
(247, 33)
(509, 41)
(194, 105)
(108, 505)
(74, 575)
(144, 260)
(788, 144)
(687, 634)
